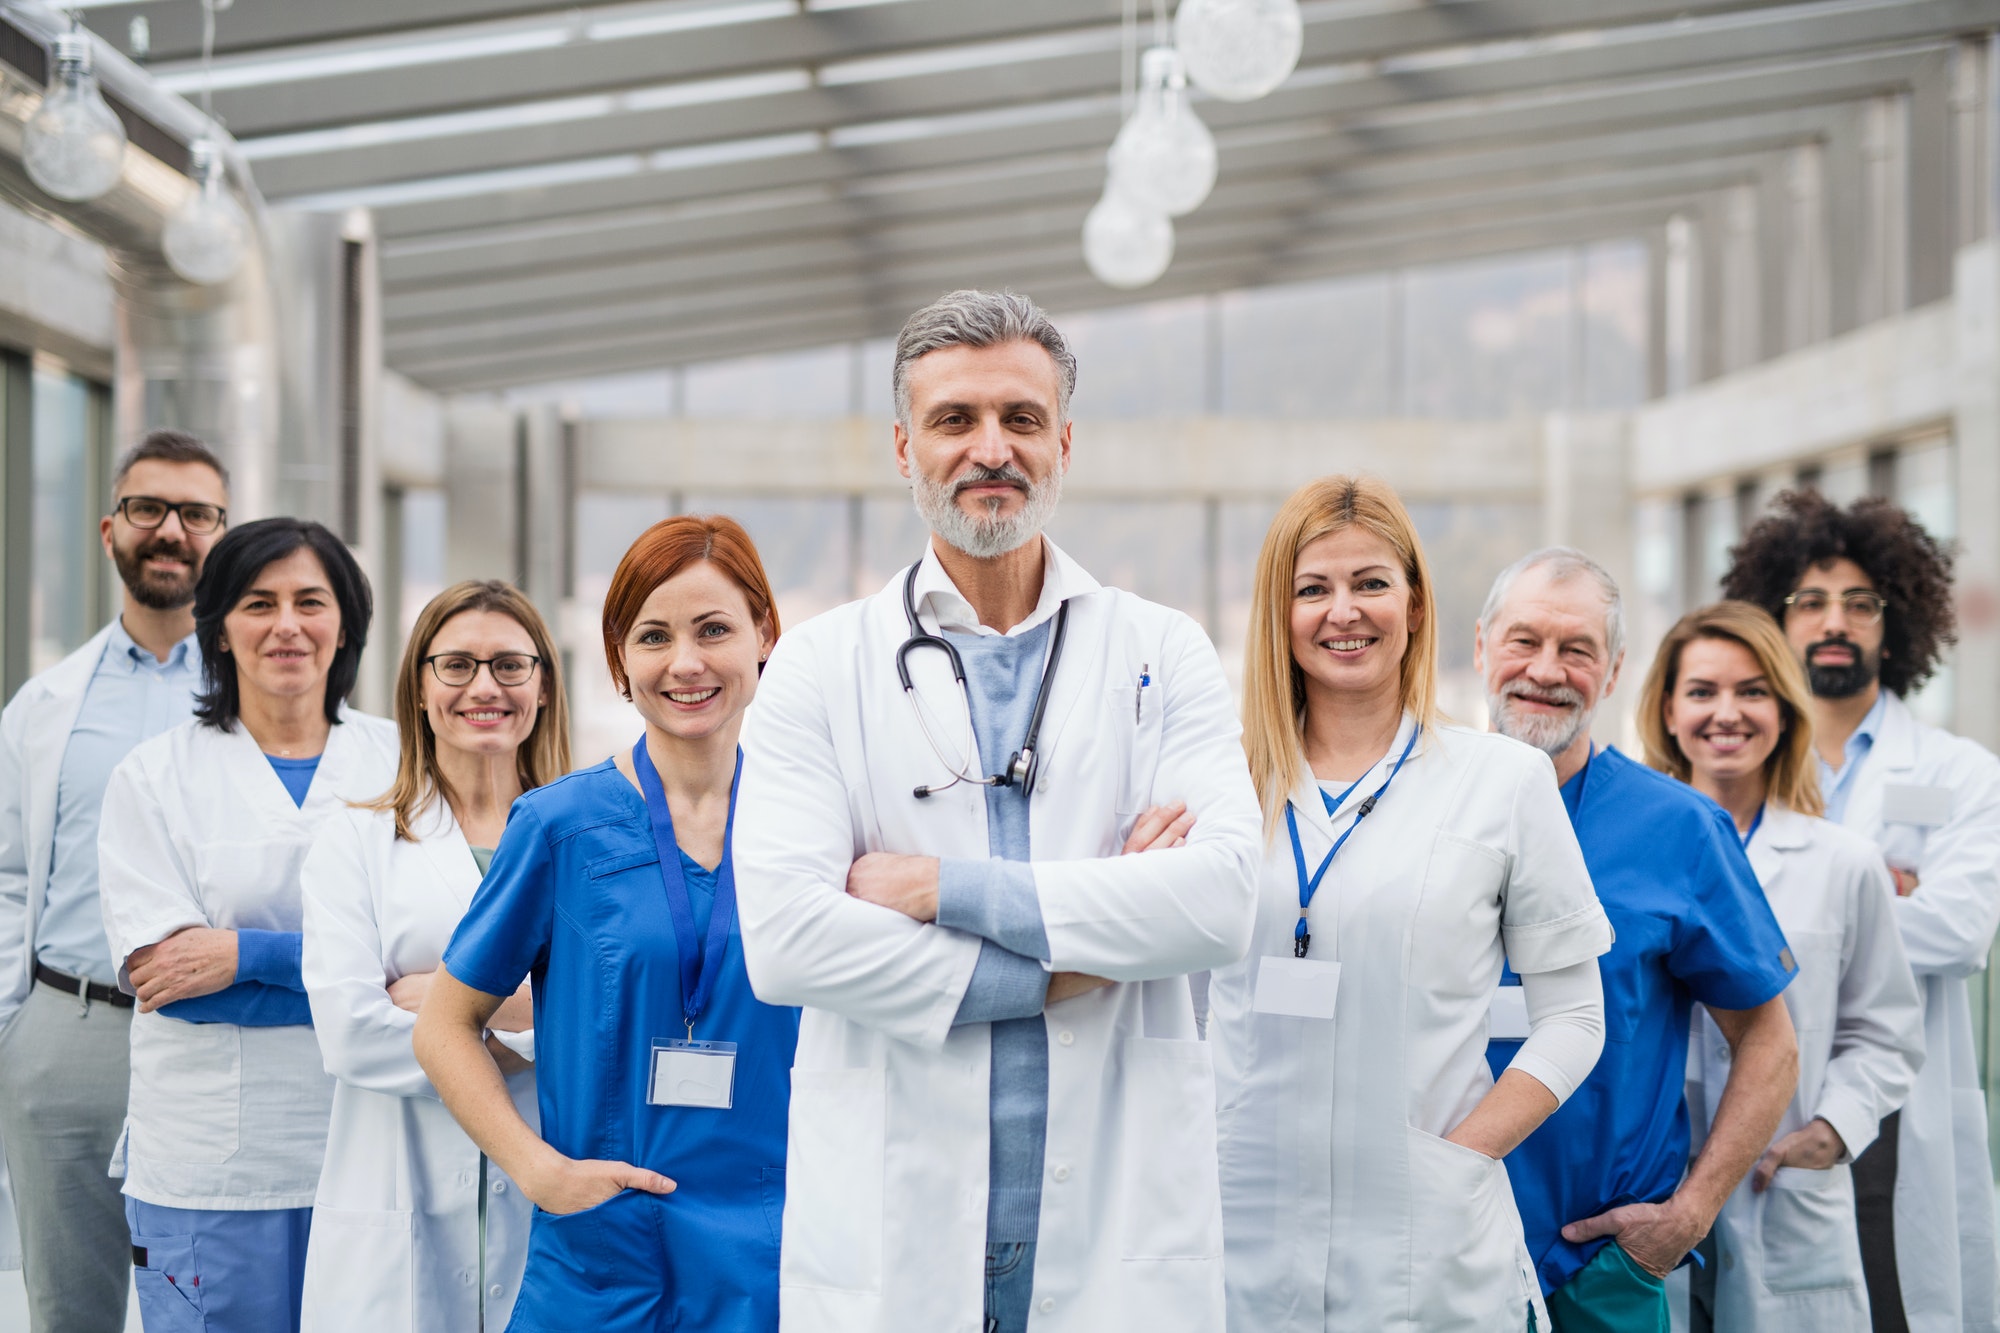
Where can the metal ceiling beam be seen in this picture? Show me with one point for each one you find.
(1251, 244)
(528, 306)
(791, 332)
(1769, 35)
(1568, 112)
(638, 235)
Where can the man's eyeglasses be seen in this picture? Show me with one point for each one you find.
(197, 519)
(458, 669)
(1863, 608)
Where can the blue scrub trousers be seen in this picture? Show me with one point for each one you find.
(209, 1271)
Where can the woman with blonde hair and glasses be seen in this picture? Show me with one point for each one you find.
(1727, 710)
(412, 1227)
(1361, 1129)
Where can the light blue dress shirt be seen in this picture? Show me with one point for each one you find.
(132, 696)
(1838, 783)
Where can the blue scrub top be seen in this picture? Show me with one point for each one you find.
(1692, 924)
(574, 900)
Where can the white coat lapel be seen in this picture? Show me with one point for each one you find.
(66, 684)
(1783, 833)
(445, 849)
(1889, 759)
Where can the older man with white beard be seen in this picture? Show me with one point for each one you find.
(1000, 1110)
(1609, 1201)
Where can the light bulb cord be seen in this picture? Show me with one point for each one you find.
(208, 58)
(1128, 62)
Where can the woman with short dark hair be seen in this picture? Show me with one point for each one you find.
(203, 832)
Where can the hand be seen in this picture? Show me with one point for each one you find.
(1069, 985)
(570, 1186)
(1656, 1235)
(195, 960)
(407, 992)
(1816, 1147)
(1906, 881)
(516, 1013)
(1159, 828)
(906, 884)
(511, 1062)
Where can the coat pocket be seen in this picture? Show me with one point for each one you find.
(1808, 1231)
(833, 1180)
(187, 1092)
(1170, 1186)
(358, 1272)
(1464, 1235)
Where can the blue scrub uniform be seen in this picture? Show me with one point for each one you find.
(575, 900)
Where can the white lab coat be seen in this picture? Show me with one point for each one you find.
(1790, 1258)
(1344, 1206)
(396, 1224)
(34, 732)
(885, 1208)
(1945, 1245)
(198, 830)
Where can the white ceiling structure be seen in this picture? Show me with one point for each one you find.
(566, 191)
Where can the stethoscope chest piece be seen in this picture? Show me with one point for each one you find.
(1024, 765)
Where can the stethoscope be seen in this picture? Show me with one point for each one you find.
(1025, 762)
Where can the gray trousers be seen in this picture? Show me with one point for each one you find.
(64, 1067)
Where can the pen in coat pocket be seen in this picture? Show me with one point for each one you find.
(1139, 691)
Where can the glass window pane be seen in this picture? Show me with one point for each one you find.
(64, 526)
(1312, 350)
(1140, 361)
(423, 552)
(1149, 547)
(1488, 339)
(648, 393)
(813, 383)
(1614, 325)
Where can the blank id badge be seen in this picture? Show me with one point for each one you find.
(692, 1073)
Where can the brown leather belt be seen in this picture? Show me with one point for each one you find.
(90, 990)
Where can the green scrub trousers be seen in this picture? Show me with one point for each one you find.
(1611, 1295)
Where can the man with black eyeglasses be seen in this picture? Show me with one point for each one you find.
(64, 1025)
(1864, 595)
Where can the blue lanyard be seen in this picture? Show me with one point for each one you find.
(1755, 824)
(698, 971)
(1301, 937)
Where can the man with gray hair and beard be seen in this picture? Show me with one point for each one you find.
(1609, 1201)
(999, 1105)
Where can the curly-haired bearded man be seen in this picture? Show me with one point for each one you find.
(1864, 595)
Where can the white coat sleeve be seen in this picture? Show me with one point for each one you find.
(1878, 1032)
(1191, 908)
(1949, 922)
(364, 1039)
(805, 941)
(145, 886)
(14, 942)
(1565, 1027)
(1551, 918)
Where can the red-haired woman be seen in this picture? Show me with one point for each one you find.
(658, 1175)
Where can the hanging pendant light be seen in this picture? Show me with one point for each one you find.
(1239, 50)
(74, 147)
(1164, 157)
(207, 237)
(1126, 244)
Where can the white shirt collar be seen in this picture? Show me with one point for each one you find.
(937, 595)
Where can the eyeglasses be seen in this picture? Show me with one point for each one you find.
(1863, 608)
(457, 669)
(143, 511)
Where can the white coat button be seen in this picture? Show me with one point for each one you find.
(495, 1290)
(1066, 1038)
(499, 1187)
(1061, 1173)
(1048, 1304)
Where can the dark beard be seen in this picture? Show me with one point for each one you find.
(153, 591)
(1843, 682)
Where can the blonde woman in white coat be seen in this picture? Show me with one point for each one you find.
(1361, 1129)
(1725, 708)
(414, 1231)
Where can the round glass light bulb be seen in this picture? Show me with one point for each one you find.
(1239, 50)
(1163, 157)
(206, 238)
(1126, 244)
(73, 146)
